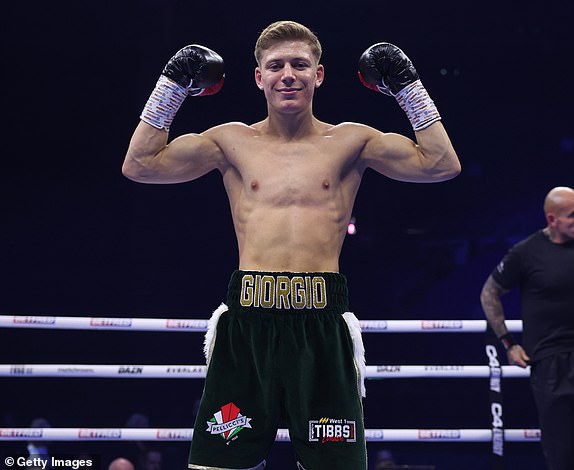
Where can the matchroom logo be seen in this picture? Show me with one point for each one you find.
(228, 422)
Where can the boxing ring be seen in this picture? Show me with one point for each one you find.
(492, 373)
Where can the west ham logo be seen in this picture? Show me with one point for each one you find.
(228, 422)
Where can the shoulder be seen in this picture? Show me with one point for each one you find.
(353, 128)
(352, 135)
(530, 242)
(519, 249)
(519, 253)
(229, 129)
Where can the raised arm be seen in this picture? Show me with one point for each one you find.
(385, 68)
(490, 296)
(192, 71)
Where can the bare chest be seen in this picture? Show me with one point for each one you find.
(293, 172)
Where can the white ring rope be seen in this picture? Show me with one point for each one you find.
(197, 325)
(199, 371)
(180, 434)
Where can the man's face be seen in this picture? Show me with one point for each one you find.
(563, 222)
(288, 75)
(559, 208)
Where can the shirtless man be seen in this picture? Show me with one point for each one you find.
(284, 345)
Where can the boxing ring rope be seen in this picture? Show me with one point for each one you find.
(199, 371)
(198, 326)
(183, 371)
(183, 434)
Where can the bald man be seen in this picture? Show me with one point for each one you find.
(121, 464)
(542, 265)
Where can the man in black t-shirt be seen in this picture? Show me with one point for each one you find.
(542, 266)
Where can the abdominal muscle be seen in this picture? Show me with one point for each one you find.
(290, 238)
(291, 202)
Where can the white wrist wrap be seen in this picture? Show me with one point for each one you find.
(163, 103)
(418, 105)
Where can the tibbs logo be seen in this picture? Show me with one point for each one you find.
(332, 430)
(228, 422)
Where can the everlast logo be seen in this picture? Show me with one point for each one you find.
(283, 292)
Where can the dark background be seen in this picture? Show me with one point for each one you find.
(77, 238)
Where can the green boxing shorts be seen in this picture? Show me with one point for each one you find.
(282, 350)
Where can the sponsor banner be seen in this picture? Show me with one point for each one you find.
(496, 400)
(374, 434)
(216, 428)
(21, 369)
(173, 435)
(332, 430)
(21, 433)
(532, 434)
(130, 370)
(441, 324)
(100, 434)
(175, 324)
(110, 322)
(376, 325)
(441, 368)
(33, 320)
(228, 422)
(439, 434)
(186, 370)
(74, 371)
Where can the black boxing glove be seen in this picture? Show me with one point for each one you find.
(194, 70)
(385, 68)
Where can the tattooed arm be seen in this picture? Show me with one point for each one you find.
(490, 296)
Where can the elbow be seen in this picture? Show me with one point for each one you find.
(441, 166)
(453, 171)
(445, 173)
(132, 171)
(128, 171)
(452, 167)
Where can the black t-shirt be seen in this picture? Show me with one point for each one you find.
(545, 273)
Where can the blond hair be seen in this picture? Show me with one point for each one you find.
(286, 31)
